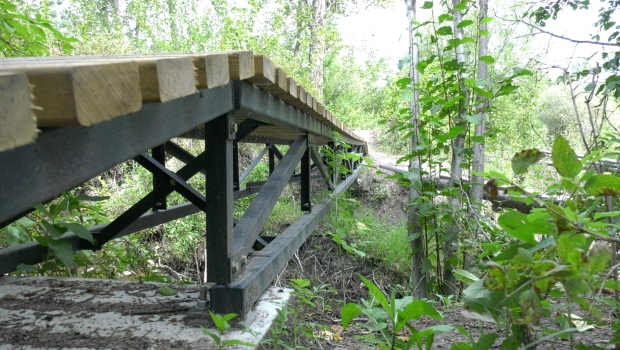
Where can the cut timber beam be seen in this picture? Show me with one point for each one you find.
(17, 120)
(211, 70)
(162, 77)
(264, 71)
(80, 94)
(241, 65)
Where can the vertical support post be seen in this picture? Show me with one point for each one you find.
(272, 158)
(219, 136)
(306, 200)
(333, 169)
(236, 181)
(158, 153)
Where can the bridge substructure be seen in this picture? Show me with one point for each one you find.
(95, 112)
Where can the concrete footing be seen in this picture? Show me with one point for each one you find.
(69, 313)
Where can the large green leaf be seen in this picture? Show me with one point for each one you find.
(63, 250)
(564, 158)
(377, 294)
(348, 313)
(522, 160)
(603, 185)
(522, 227)
(79, 231)
(464, 276)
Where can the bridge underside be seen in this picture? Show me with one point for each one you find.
(240, 262)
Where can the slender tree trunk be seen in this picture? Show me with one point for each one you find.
(478, 161)
(418, 278)
(317, 45)
(449, 283)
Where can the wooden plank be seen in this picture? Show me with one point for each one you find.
(241, 64)
(81, 94)
(264, 72)
(162, 77)
(211, 70)
(166, 79)
(291, 90)
(18, 124)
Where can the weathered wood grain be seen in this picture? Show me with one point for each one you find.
(211, 70)
(18, 124)
(264, 72)
(241, 64)
(71, 93)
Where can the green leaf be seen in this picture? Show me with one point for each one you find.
(84, 197)
(55, 231)
(520, 226)
(79, 231)
(462, 6)
(213, 336)
(599, 258)
(377, 294)
(522, 160)
(456, 131)
(42, 210)
(564, 158)
(237, 342)
(474, 119)
(445, 17)
(603, 185)
(486, 20)
(167, 291)
(487, 59)
(348, 313)
(63, 250)
(487, 340)
(418, 308)
(464, 276)
(465, 23)
(427, 5)
(445, 30)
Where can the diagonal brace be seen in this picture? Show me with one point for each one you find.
(177, 182)
(318, 161)
(113, 229)
(255, 162)
(255, 217)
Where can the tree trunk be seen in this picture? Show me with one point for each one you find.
(478, 161)
(418, 278)
(449, 283)
(317, 46)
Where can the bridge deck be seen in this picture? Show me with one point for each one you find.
(96, 112)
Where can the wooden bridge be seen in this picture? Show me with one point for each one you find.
(65, 120)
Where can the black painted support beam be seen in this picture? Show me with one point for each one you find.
(63, 158)
(318, 162)
(255, 217)
(159, 154)
(166, 176)
(219, 136)
(272, 157)
(239, 297)
(306, 178)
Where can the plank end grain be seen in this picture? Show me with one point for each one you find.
(241, 64)
(176, 78)
(212, 70)
(105, 91)
(18, 123)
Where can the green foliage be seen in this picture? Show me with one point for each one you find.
(554, 254)
(24, 31)
(393, 315)
(221, 323)
(49, 224)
